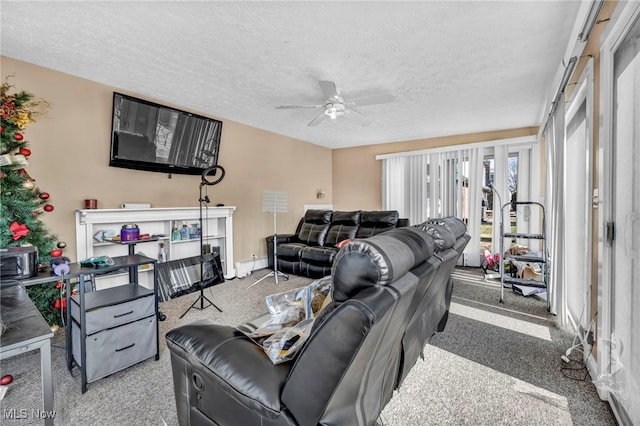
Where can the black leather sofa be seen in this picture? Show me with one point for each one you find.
(310, 251)
(391, 293)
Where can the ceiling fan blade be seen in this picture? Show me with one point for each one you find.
(298, 106)
(318, 119)
(354, 115)
(329, 89)
(370, 100)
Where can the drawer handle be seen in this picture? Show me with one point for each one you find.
(126, 347)
(121, 315)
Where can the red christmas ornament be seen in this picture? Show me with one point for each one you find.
(48, 208)
(1, 129)
(25, 151)
(44, 195)
(60, 303)
(18, 136)
(59, 285)
(56, 253)
(18, 230)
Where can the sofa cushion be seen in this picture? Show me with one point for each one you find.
(442, 235)
(290, 251)
(313, 230)
(318, 255)
(314, 271)
(379, 260)
(318, 216)
(375, 222)
(344, 226)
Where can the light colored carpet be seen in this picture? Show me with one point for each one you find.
(494, 364)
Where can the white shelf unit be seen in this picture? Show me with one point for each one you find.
(217, 229)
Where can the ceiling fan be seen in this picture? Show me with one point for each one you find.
(336, 106)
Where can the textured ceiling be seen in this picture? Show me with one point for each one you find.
(454, 67)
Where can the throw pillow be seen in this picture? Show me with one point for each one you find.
(343, 243)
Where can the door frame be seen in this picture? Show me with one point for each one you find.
(583, 92)
(623, 18)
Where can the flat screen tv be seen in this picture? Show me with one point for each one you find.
(157, 138)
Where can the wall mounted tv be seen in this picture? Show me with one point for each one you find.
(157, 138)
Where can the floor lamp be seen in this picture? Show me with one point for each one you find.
(274, 202)
(204, 182)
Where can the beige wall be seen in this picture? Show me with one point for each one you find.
(70, 157)
(357, 175)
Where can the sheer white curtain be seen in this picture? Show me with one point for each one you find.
(438, 184)
(404, 186)
(501, 187)
(475, 164)
(424, 186)
(448, 182)
(554, 205)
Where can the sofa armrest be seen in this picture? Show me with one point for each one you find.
(280, 239)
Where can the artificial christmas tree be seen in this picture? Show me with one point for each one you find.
(22, 202)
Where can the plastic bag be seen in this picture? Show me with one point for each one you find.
(286, 308)
(284, 329)
(283, 344)
(268, 324)
(316, 296)
(279, 302)
(309, 299)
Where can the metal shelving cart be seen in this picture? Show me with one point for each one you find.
(540, 259)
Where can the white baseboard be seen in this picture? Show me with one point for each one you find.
(246, 267)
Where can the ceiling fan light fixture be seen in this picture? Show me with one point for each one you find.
(335, 106)
(334, 110)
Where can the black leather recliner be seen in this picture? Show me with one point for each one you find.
(311, 250)
(391, 293)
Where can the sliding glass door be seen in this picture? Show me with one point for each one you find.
(577, 200)
(625, 347)
(619, 337)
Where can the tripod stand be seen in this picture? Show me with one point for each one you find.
(276, 202)
(201, 298)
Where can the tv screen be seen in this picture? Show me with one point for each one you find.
(157, 138)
